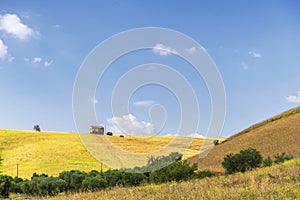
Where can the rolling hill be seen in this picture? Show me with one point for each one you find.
(280, 133)
(54, 152)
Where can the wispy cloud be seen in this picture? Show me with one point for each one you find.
(56, 26)
(48, 63)
(144, 103)
(293, 98)
(255, 54)
(130, 124)
(93, 100)
(3, 50)
(12, 24)
(10, 59)
(37, 60)
(191, 50)
(163, 50)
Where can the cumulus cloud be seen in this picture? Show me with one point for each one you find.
(48, 63)
(255, 54)
(144, 103)
(93, 100)
(12, 24)
(3, 50)
(163, 50)
(293, 98)
(130, 124)
(37, 60)
(191, 50)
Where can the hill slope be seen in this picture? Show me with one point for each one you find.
(54, 152)
(278, 134)
(44, 152)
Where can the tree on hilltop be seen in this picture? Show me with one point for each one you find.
(37, 128)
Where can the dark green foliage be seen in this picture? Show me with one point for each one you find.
(16, 185)
(37, 128)
(246, 160)
(93, 183)
(5, 184)
(280, 158)
(109, 133)
(121, 135)
(203, 174)
(216, 142)
(267, 162)
(73, 179)
(175, 171)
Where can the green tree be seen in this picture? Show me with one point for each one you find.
(245, 160)
(280, 158)
(37, 128)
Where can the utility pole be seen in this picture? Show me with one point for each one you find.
(17, 170)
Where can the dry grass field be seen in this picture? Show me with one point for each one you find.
(275, 135)
(44, 152)
(276, 182)
(54, 152)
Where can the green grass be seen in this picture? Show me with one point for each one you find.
(276, 182)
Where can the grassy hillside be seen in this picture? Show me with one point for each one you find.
(44, 152)
(54, 152)
(275, 135)
(276, 182)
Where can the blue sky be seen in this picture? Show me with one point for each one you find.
(254, 44)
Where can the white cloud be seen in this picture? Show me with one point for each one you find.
(10, 58)
(144, 103)
(37, 60)
(93, 101)
(3, 50)
(255, 54)
(163, 50)
(191, 50)
(129, 124)
(192, 135)
(48, 63)
(56, 26)
(293, 99)
(11, 24)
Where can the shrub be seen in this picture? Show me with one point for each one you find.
(283, 157)
(121, 135)
(109, 133)
(216, 142)
(5, 184)
(245, 160)
(267, 162)
(203, 174)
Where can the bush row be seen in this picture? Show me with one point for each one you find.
(168, 168)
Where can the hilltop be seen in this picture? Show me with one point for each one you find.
(280, 133)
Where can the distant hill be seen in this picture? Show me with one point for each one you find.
(280, 133)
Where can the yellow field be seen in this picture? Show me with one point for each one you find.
(54, 152)
(44, 152)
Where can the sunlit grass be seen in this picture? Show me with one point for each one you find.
(43, 152)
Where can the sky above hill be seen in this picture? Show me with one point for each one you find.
(254, 44)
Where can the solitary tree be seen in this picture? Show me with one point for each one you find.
(37, 128)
